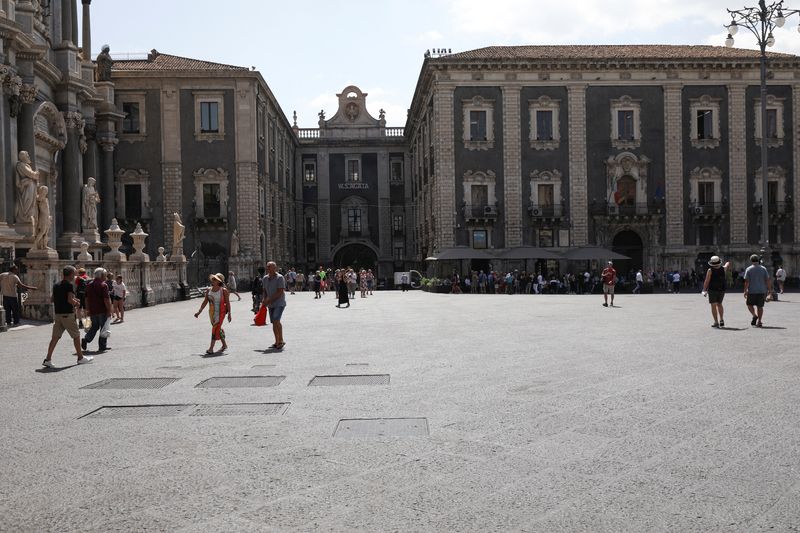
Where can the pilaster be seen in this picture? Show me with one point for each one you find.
(171, 168)
(384, 208)
(444, 199)
(673, 165)
(796, 159)
(324, 202)
(577, 164)
(512, 166)
(737, 178)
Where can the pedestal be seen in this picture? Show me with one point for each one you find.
(43, 271)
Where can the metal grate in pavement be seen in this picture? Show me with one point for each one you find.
(357, 364)
(138, 411)
(382, 427)
(132, 383)
(356, 379)
(240, 381)
(264, 366)
(241, 409)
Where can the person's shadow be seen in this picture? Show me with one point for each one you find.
(771, 327)
(52, 370)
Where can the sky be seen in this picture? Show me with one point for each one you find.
(309, 50)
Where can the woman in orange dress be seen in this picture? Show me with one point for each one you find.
(219, 305)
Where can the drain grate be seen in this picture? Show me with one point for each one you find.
(356, 379)
(382, 427)
(241, 409)
(240, 381)
(137, 411)
(132, 383)
(191, 409)
(264, 366)
(357, 364)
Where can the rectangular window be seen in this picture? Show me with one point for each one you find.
(705, 124)
(311, 252)
(706, 235)
(544, 125)
(705, 192)
(398, 253)
(545, 192)
(625, 124)
(772, 193)
(397, 171)
(354, 220)
(211, 200)
(309, 172)
(397, 223)
(477, 125)
(772, 123)
(133, 201)
(353, 170)
(480, 195)
(209, 117)
(130, 124)
(311, 226)
(545, 238)
(773, 233)
(479, 238)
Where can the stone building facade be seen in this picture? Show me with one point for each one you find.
(354, 184)
(653, 151)
(208, 141)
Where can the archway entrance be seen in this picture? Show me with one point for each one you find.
(357, 256)
(628, 243)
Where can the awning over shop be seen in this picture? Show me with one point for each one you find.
(462, 252)
(588, 253)
(528, 252)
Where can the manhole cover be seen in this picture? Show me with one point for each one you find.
(362, 379)
(131, 383)
(241, 409)
(382, 427)
(136, 411)
(240, 381)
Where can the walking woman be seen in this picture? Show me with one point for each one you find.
(714, 287)
(219, 305)
(342, 289)
(362, 282)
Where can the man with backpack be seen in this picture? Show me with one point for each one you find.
(257, 290)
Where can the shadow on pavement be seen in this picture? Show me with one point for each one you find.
(771, 327)
(46, 370)
(209, 355)
(732, 329)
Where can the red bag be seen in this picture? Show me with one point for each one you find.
(261, 317)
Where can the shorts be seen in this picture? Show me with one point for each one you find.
(756, 300)
(608, 289)
(715, 297)
(62, 323)
(275, 313)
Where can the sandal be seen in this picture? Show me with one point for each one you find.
(209, 352)
(280, 345)
(273, 346)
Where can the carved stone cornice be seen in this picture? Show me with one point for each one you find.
(107, 143)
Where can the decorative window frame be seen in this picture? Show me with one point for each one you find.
(309, 183)
(352, 202)
(774, 174)
(347, 160)
(130, 176)
(134, 97)
(698, 104)
(705, 174)
(209, 96)
(310, 212)
(544, 103)
(393, 161)
(775, 103)
(627, 164)
(626, 103)
(549, 177)
(218, 176)
(478, 103)
(488, 178)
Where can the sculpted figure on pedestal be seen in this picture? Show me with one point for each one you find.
(90, 200)
(104, 64)
(27, 181)
(42, 220)
(234, 243)
(178, 231)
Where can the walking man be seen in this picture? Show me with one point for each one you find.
(98, 302)
(257, 290)
(64, 303)
(714, 288)
(780, 277)
(757, 284)
(609, 276)
(639, 283)
(9, 283)
(404, 281)
(232, 285)
(275, 301)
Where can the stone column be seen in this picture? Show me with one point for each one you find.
(512, 166)
(384, 208)
(90, 160)
(673, 165)
(323, 201)
(25, 139)
(66, 21)
(171, 168)
(86, 41)
(73, 9)
(578, 191)
(106, 181)
(737, 153)
(444, 194)
(71, 179)
(796, 164)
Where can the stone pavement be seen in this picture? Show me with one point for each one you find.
(544, 413)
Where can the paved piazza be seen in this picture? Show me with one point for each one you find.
(545, 413)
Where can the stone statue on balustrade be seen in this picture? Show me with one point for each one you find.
(27, 182)
(42, 220)
(90, 200)
(104, 64)
(178, 234)
(234, 251)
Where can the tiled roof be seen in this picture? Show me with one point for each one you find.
(158, 61)
(624, 52)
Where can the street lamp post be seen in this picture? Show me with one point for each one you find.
(761, 21)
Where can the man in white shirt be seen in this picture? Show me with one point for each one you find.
(780, 277)
(9, 283)
(676, 282)
(639, 283)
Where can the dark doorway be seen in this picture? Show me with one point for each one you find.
(628, 243)
(357, 256)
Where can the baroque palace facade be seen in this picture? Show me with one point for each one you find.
(653, 151)
(648, 150)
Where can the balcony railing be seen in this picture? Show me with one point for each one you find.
(775, 208)
(394, 132)
(546, 211)
(707, 208)
(601, 208)
(316, 133)
(480, 212)
(308, 133)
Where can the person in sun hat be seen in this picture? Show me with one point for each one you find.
(757, 285)
(714, 287)
(219, 305)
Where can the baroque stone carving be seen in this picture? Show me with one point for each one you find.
(178, 234)
(234, 250)
(104, 64)
(90, 200)
(42, 220)
(27, 183)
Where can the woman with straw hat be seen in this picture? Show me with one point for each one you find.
(714, 287)
(219, 305)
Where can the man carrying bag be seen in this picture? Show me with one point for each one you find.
(99, 305)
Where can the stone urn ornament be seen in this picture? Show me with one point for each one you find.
(139, 237)
(114, 241)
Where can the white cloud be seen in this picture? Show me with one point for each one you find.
(430, 36)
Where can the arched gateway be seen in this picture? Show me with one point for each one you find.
(628, 242)
(357, 256)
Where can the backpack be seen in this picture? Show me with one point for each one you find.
(80, 288)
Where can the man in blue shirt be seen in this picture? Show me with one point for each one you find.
(757, 284)
(275, 301)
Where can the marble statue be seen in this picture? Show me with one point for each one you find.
(161, 257)
(234, 243)
(27, 182)
(84, 255)
(178, 234)
(90, 200)
(42, 220)
(104, 64)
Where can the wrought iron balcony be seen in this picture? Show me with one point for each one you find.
(546, 211)
(627, 210)
(775, 208)
(707, 209)
(480, 212)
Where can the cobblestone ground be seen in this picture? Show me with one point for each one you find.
(543, 413)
